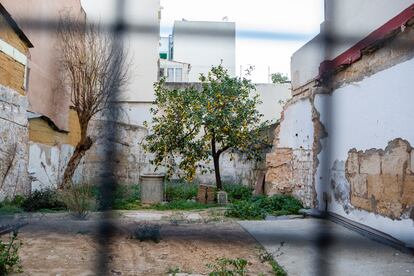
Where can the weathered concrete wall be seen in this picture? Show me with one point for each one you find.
(43, 95)
(13, 144)
(367, 116)
(291, 164)
(47, 164)
(382, 181)
(362, 139)
(132, 160)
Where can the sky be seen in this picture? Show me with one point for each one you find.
(268, 32)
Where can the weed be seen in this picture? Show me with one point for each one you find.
(258, 207)
(237, 192)
(127, 197)
(79, 200)
(43, 199)
(9, 257)
(181, 205)
(228, 267)
(181, 191)
(173, 270)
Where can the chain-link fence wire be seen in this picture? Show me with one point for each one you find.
(107, 222)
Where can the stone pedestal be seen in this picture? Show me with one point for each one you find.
(152, 188)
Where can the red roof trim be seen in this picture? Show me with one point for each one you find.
(354, 53)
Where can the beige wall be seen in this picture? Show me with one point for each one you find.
(43, 96)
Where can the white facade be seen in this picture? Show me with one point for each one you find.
(349, 21)
(361, 115)
(205, 44)
(174, 71)
(273, 97)
(142, 46)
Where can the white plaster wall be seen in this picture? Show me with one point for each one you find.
(296, 129)
(366, 115)
(273, 97)
(347, 20)
(304, 65)
(48, 163)
(205, 44)
(141, 45)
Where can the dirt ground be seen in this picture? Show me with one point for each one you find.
(60, 245)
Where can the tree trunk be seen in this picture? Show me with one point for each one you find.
(74, 161)
(216, 160)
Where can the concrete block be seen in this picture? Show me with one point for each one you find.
(370, 163)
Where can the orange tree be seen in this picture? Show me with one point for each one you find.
(191, 127)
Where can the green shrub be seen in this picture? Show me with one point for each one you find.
(127, 197)
(237, 192)
(147, 232)
(258, 207)
(228, 267)
(181, 191)
(43, 199)
(181, 205)
(11, 206)
(9, 257)
(79, 199)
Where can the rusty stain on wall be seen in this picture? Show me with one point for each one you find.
(382, 181)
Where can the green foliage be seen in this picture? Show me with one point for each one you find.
(13, 206)
(79, 199)
(197, 125)
(228, 267)
(181, 204)
(181, 191)
(145, 232)
(173, 270)
(279, 78)
(276, 268)
(127, 197)
(43, 199)
(9, 257)
(237, 192)
(258, 207)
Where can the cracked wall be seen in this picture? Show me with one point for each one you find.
(13, 144)
(290, 165)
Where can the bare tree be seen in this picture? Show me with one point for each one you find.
(91, 68)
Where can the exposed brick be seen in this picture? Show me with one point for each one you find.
(412, 162)
(280, 157)
(408, 190)
(352, 163)
(359, 185)
(361, 203)
(375, 187)
(392, 187)
(395, 157)
(390, 209)
(370, 163)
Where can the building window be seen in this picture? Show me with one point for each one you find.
(170, 74)
(178, 74)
